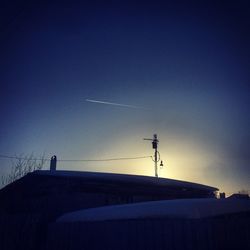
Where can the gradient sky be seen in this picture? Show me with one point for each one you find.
(187, 64)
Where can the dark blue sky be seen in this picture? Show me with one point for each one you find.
(187, 62)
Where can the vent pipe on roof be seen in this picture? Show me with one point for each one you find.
(53, 163)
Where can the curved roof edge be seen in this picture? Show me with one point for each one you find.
(181, 208)
(125, 178)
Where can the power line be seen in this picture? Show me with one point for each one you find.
(23, 158)
(112, 159)
(74, 160)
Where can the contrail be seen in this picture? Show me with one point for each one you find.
(114, 104)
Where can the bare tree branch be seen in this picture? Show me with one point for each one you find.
(21, 166)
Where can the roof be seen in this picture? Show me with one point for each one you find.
(59, 192)
(181, 208)
(125, 178)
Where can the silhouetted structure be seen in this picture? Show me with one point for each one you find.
(155, 142)
(31, 205)
(53, 161)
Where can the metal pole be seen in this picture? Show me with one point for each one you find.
(155, 146)
(156, 167)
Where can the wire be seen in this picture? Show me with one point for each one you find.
(112, 159)
(23, 158)
(159, 157)
(83, 160)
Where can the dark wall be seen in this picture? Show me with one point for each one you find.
(221, 233)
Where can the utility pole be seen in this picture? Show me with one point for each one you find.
(155, 142)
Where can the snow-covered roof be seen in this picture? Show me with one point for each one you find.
(181, 208)
(125, 178)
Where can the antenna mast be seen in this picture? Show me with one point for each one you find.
(155, 142)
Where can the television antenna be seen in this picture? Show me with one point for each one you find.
(156, 158)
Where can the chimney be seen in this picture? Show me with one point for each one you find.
(53, 163)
